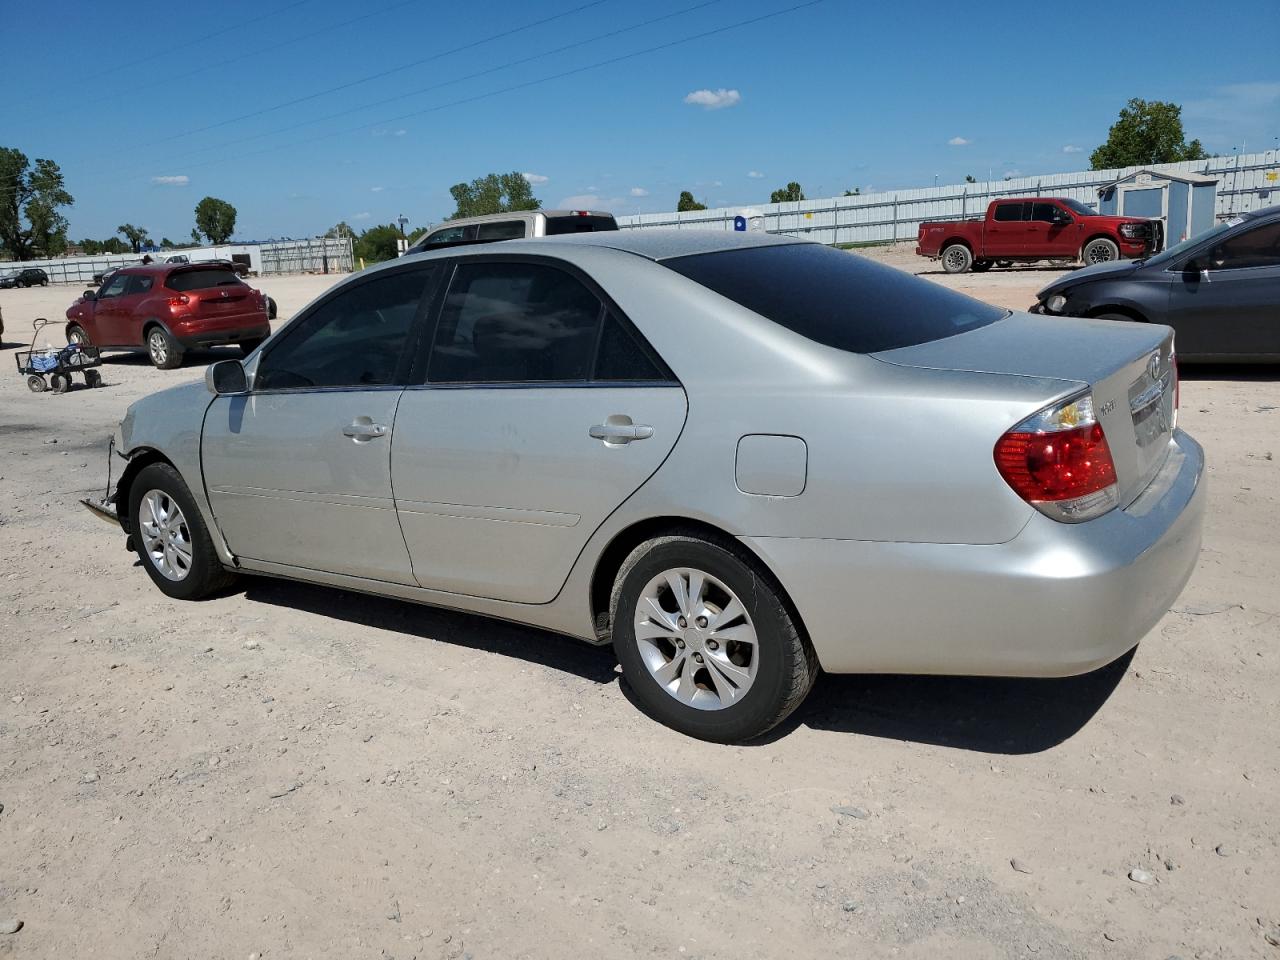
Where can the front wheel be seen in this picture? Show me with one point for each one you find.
(956, 258)
(1100, 250)
(60, 382)
(164, 351)
(36, 384)
(171, 537)
(76, 334)
(706, 642)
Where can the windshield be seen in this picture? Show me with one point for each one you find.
(1180, 248)
(1080, 209)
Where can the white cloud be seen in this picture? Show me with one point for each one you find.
(717, 183)
(400, 133)
(755, 174)
(713, 99)
(580, 201)
(1072, 148)
(179, 181)
(535, 178)
(376, 189)
(959, 142)
(639, 192)
(362, 216)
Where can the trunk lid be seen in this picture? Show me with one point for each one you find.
(212, 291)
(1128, 366)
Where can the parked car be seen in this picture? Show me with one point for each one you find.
(1219, 291)
(513, 226)
(1027, 229)
(739, 458)
(168, 309)
(25, 277)
(103, 275)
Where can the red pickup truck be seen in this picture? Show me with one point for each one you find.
(1024, 229)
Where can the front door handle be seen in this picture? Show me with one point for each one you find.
(362, 429)
(619, 430)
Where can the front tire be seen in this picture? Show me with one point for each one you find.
(705, 640)
(1100, 250)
(76, 334)
(164, 351)
(170, 536)
(957, 258)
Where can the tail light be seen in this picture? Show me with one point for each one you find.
(1058, 461)
(181, 300)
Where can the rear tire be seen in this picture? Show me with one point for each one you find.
(92, 379)
(171, 540)
(164, 351)
(768, 665)
(36, 384)
(76, 334)
(1100, 250)
(957, 258)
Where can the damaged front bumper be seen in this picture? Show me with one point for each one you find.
(104, 507)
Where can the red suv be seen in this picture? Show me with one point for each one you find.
(168, 308)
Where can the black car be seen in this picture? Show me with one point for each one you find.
(28, 277)
(1219, 291)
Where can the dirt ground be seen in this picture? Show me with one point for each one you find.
(289, 771)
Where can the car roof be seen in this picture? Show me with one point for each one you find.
(651, 244)
(515, 215)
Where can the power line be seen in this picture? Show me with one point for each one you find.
(378, 76)
(189, 43)
(452, 81)
(525, 84)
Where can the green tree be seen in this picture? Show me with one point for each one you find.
(196, 238)
(378, 243)
(31, 222)
(167, 244)
(686, 202)
(136, 236)
(792, 191)
(855, 192)
(1147, 132)
(340, 229)
(493, 193)
(969, 178)
(216, 219)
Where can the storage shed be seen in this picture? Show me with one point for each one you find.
(1184, 201)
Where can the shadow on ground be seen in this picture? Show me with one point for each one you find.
(519, 642)
(988, 715)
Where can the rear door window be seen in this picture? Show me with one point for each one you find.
(557, 226)
(137, 284)
(115, 286)
(502, 230)
(202, 279)
(1259, 247)
(505, 322)
(1011, 212)
(835, 298)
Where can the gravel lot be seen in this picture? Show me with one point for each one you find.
(289, 771)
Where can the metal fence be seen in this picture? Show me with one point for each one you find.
(319, 255)
(1245, 182)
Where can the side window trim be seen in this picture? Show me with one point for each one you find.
(417, 379)
(400, 380)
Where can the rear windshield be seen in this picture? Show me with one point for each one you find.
(202, 279)
(562, 225)
(835, 298)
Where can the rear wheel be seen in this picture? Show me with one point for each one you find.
(92, 378)
(1100, 250)
(36, 384)
(164, 351)
(76, 334)
(705, 640)
(956, 258)
(171, 537)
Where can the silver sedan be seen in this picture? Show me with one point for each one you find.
(739, 459)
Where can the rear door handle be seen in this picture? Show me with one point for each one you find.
(362, 428)
(620, 432)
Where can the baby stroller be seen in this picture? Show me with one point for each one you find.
(57, 363)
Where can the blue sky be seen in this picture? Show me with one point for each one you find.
(267, 104)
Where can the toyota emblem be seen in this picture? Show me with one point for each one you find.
(1153, 364)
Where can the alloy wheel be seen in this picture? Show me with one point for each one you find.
(696, 639)
(159, 349)
(165, 534)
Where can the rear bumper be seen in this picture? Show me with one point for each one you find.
(234, 329)
(1057, 600)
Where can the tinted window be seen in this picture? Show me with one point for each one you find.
(1259, 247)
(138, 284)
(503, 230)
(1084, 210)
(622, 357)
(836, 298)
(1047, 213)
(1010, 212)
(514, 323)
(353, 339)
(560, 225)
(446, 235)
(114, 286)
(202, 279)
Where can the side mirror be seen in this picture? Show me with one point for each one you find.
(226, 378)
